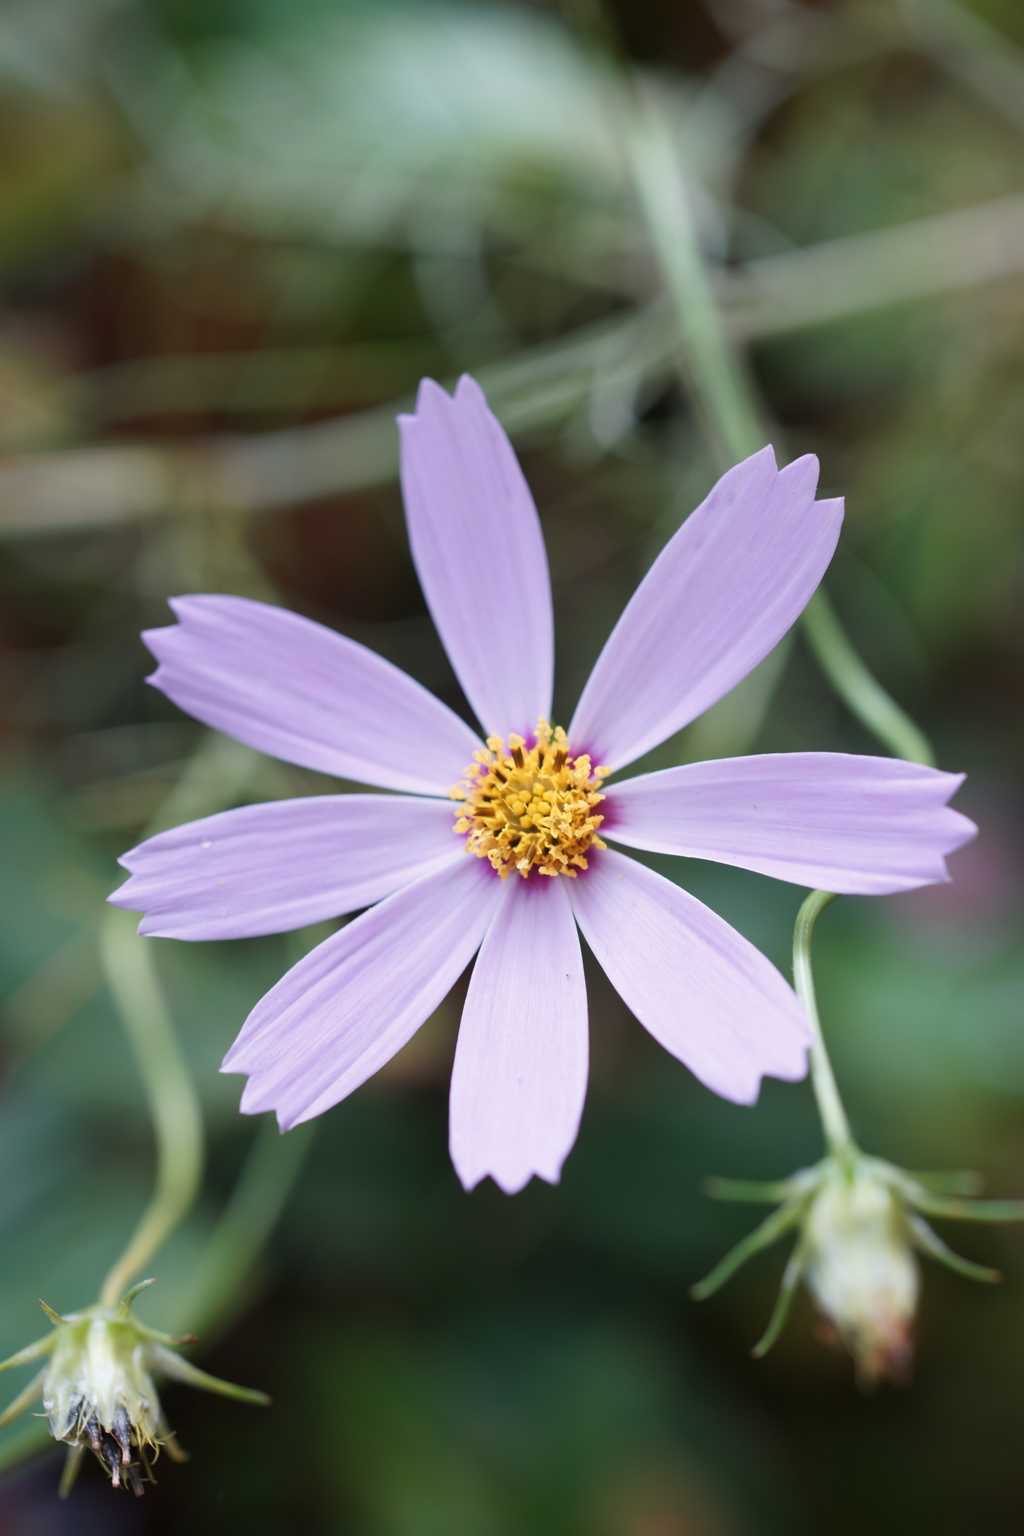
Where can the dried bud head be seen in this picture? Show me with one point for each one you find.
(98, 1392)
(861, 1269)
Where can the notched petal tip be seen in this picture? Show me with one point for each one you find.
(787, 1070)
(468, 389)
(430, 393)
(183, 608)
(194, 604)
(510, 1183)
(255, 1099)
(290, 1120)
(432, 399)
(767, 453)
(153, 928)
(789, 1066)
(961, 827)
(123, 897)
(807, 466)
(743, 1094)
(232, 1062)
(796, 1070)
(957, 831)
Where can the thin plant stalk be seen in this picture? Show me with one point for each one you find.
(170, 1093)
(231, 1254)
(217, 770)
(714, 377)
(710, 366)
(838, 1137)
(713, 374)
(225, 1272)
(858, 688)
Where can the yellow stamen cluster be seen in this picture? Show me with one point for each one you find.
(530, 808)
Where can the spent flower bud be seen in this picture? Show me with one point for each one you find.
(860, 1223)
(861, 1270)
(98, 1393)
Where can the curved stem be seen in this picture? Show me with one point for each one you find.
(229, 1258)
(838, 1137)
(714, 377)
(250, 1215)
(711, 370)
(862, 694)
(173, 1103)
(216, 771)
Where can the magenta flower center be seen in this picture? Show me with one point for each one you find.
(530, 809)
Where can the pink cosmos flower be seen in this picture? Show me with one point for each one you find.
(532, 806)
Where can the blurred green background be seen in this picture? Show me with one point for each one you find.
(233, 236)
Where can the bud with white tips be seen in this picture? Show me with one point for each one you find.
(861, 1270)
(98, 1393)
(858, 1221)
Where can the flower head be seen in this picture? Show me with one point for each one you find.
(860, 1223)
(534, 802)
(531, 809)
(861, 1270)
(98, 1393)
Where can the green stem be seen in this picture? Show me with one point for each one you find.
(255, 1204)
(173, 1103)
(838, 1137)
(710, 367)
(862, 694)
(218, 769)
(226, 1269)
(713, 376)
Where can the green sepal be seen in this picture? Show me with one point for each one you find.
(965, 1182)
(31, 1352)
(931, 1243)
(25, 1398)
(173, 1365)
(72, 1465)
(129, 1296)
(770, 1230)
(962, 1209)
(169, 1443)
(748, 1190)
(55, 1317)
(787, 1291)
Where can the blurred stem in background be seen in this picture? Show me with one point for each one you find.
(211, 779)
(713, 376)
(859, 1220)
(224, 1273)
(170, 1094)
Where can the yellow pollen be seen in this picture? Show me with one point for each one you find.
(530, 808)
